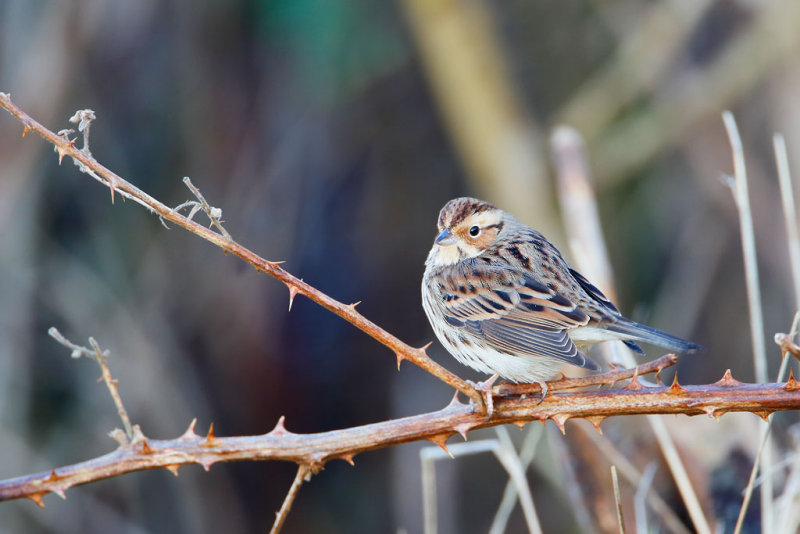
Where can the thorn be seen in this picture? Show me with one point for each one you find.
(521, 424)
(634, 384)
(596, 420)
(675, 388)
(173, 468)
(189, 434)
(764, 414)
(543, 420)
(353, 305)
(145, 449)
(559, 420)
(463, 428)
(60, 493)
(37, 498)
(275, 263)
(454, 402)
(206, 463)
(348, 458)
(211, 440)
(400, 359)
(53, 476)
(441, 441)
(791, 384)
(711, 411)
(25, 131)
(422, 350)
(280, 428)
(61, 153)
(292, 294)
(727, 381)
(111, 188)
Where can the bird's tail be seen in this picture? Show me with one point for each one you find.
(646, 334)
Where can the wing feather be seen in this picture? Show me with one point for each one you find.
(512, 312)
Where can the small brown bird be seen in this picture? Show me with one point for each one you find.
(502, 300)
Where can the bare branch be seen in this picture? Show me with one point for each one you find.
(65, 146)
(303, 473)
(314, 450)
(101, 357)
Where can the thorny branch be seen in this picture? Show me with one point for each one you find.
(315, 450)
(312, 451)
(86, 163)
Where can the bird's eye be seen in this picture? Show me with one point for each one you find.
(474, 231)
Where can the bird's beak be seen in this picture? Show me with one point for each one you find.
(444, 238)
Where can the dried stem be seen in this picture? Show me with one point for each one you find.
(101, 357)
(280, 516)
(586, 241)
(741, 196)
(116, 184)
(618, 499)
(789, 212)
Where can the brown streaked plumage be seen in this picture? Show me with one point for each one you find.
(502, 299)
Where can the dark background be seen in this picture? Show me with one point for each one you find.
(330, 134)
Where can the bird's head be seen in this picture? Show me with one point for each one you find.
(467, 227)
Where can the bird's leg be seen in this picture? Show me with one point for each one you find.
(485, 388)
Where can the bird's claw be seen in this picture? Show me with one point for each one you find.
(485, 389)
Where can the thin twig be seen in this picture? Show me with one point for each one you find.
(635, 478)
(526, 455)
(214, 214)
(116, 184)
(640, 500)
(101, 357)
(507, 456)
(280, 516)
(618, 499)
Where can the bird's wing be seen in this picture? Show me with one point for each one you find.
(511, 311)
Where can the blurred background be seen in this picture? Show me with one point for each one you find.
(330, 134)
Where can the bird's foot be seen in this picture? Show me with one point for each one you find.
(545, 390)
(485, 388)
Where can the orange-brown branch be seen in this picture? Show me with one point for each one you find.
(314, 450)
(296, 286)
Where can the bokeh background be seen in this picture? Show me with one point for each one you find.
(330, 133)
